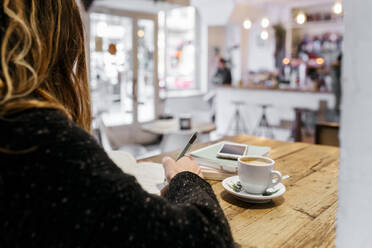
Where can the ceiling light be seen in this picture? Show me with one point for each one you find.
(301, 18)
(286, 61)
(247, 24)
(264, 35)
(320, 61)
(265, 22)
(337, 8)
(141, 33)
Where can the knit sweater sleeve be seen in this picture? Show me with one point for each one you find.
(188, 216)
(100, 206)
(189, 219)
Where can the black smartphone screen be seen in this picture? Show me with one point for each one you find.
(233, 149)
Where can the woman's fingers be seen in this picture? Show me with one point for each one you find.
(189, 156)
(167, 162)
(172, 167)
(169, 167)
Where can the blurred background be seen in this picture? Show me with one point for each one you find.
(160, 70)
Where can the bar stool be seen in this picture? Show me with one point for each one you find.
(299, 123)
(237, 120)
(264, 129)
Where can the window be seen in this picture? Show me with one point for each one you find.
(111, 65)
(123, 68)
(177, 50)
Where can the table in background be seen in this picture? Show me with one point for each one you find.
(162, 127)
(305, 216)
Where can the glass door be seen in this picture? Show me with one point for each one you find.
(146, 71)
(123, 66)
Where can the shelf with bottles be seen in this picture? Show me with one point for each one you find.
(328, 24)
(317, 15)
(311, 74)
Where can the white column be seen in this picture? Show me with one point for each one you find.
(354, 217)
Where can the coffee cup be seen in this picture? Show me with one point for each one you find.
(257, 174)
(185, 122)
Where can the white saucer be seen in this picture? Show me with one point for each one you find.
(251, 198)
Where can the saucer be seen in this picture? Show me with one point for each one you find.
(251, 198)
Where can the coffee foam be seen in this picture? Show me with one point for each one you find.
(255, 161)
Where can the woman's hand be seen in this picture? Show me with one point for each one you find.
(172, 167)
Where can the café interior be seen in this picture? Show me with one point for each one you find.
(154, 63)
(266, 72)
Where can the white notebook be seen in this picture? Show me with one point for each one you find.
(149, 175)
(207, 156)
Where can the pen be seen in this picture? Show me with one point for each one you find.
(188, 145)
(184, 151)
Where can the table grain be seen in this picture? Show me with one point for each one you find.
(305, 216)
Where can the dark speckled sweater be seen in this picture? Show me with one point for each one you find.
(58, 188)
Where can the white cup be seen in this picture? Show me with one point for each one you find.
(258, 174)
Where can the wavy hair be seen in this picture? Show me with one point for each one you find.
(43, 62)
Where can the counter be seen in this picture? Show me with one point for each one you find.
(282, 102)
(253, 87)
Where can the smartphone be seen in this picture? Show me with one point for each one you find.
(232, 151)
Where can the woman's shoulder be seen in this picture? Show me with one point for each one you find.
(38, 127)
(35, 120)
(33, 117)
(48, 137)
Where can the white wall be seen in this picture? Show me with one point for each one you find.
(136, 5)
(354, 217)
(216, 16)
(233, 38)
(256, 53)
(260, 52)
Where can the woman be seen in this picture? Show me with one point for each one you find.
(223, 73)
(58, 188)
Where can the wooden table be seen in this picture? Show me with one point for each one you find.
(304, 216)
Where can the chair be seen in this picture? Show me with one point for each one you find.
(108, 142)
(326, 133)
(102, 136)
(299, 123)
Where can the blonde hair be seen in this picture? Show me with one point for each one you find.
(43, 62)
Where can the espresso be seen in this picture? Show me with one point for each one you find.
(255, 161)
